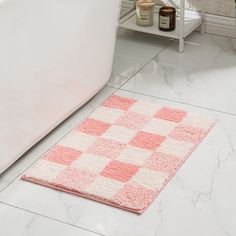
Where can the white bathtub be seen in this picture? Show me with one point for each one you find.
(54, 56)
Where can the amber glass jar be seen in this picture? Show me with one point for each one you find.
(167, 18)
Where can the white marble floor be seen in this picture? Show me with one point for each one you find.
(200, 199)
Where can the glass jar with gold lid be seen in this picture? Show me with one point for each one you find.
(145, 12)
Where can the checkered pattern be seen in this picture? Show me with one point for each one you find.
(123, 154)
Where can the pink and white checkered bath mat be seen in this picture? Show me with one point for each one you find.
(123, 154)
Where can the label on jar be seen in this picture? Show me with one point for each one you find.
(144, 17)
(165, 22)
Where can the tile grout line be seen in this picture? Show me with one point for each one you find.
(184, 103)
(219, 35)
(25, 169)
(55, 142)
(50, 218)
(140, 69)
(189, 104)
(163, 49)
(115, 91)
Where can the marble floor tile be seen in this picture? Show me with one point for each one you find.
(4, 181)
(204, 75)
(199, 200)
(15, 222)
(133, 51)
(28, 158)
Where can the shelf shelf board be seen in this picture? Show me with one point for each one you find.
(192, 21)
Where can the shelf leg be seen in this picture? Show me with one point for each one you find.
(181, 45)
(203, 26)
(182, 22)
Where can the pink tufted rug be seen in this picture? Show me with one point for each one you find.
(123, 154)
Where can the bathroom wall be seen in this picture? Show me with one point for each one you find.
(216, 7)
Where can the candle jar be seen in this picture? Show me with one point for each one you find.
(145, 12)
(167, 18)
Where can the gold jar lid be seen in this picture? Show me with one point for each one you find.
(167, 9)
(145, 4)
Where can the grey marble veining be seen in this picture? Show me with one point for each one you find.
(203, 76)
(133, 51)
(16, 222)
(198, 201)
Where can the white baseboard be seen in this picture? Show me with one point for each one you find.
(218, 25)
(221, 25)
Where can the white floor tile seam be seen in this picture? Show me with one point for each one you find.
(195, 77)
(14, 164)
(162, 217)
(220, 35)
(50, 218)
(203, 204)
(115, 91)
(183, 103)
(143, 67)
(187, 42)
(214, 34)
(56, 141)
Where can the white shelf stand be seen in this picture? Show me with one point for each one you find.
(186, 22)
